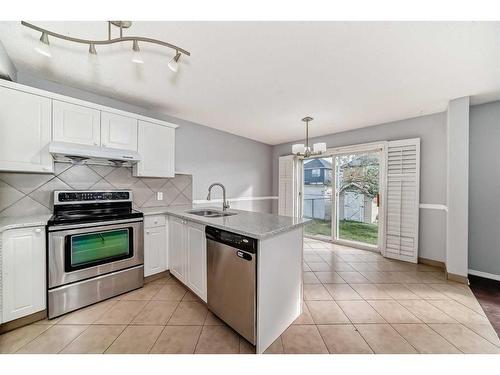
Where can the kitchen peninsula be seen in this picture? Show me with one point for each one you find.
(278, 265)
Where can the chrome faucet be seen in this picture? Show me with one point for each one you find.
(225, 204)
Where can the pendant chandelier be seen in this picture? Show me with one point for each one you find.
(44, 46)
(304, 150)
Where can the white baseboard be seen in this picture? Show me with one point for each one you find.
(486, 275)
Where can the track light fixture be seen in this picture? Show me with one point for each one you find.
(136, 55)
(43, 46)
(92, 49)
(173, 64)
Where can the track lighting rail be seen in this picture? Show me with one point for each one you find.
(107, 41)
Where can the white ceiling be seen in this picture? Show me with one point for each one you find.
(258, 79)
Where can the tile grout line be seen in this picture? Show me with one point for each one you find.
(461, 351)
(355, 327)
(199, 336)
(45, 330)
(77, 336)
(340, 307)
(427, 325)
(126, 324)
(112, 342)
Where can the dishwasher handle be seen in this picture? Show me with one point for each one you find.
(232, 239)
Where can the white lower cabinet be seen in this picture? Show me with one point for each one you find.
(23, 279)
(196, 263)
(155, 245)
(188, 254)
(176, 248)
(155, 250)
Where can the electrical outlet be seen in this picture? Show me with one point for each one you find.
(159, 196)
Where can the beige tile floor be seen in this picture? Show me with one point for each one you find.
(355, 302)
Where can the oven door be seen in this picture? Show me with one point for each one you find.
(76, 254)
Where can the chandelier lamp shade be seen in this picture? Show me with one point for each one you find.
(304, 150)
(43, 46)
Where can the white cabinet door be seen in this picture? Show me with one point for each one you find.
(23, 272)
(76, 124)
(155, 250)
(25, 132)
(156, 144)
(118, 131)
(196, 251)
(176, 248)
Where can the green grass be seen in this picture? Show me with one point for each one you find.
(360, 232)
(319, 227)
(349, 230)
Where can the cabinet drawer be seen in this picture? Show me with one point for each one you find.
(154, 221)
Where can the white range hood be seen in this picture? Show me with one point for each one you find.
(84, 154)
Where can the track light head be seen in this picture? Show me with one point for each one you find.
(43, 46)
(136, 55)
(92, 49)
(173, 64)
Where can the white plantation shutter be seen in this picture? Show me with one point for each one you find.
(286, 193)
(403, 185)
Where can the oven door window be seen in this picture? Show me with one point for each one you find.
(92, 249)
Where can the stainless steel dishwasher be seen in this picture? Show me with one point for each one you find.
(232, 280)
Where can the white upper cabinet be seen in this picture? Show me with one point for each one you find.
(156, 145)
(31, 118)
(118, 131)
(25, 132)
(23, 272)
(76, 124)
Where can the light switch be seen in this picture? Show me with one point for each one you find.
(159, 196)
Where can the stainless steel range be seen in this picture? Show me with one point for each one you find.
(95, 248)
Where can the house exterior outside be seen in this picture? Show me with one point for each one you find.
(355, 203)
(318, 189)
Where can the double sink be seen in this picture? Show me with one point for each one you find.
(210, 213)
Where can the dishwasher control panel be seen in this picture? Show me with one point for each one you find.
(232, 239)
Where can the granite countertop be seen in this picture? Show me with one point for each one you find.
(13, 222)
(252, 224)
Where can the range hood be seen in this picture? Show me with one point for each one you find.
(85, 154)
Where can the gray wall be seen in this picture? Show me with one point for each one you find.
(209, 155)
(484, 187)
(431, 130)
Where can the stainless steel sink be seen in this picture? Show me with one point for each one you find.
(211, 213)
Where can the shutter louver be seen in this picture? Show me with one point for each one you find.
(286, 194)
(403, 181)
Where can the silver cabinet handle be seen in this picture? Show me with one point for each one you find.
(147, 232)
(38, 230)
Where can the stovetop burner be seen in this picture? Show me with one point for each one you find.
(73, 207)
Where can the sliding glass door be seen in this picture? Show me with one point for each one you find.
(318, 196)
(357, 193)
(341, 195)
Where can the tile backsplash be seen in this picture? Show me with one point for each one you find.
(25, 194)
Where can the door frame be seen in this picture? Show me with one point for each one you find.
(345, 150)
